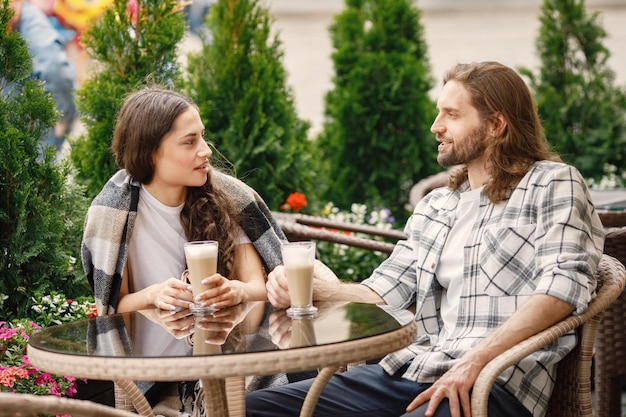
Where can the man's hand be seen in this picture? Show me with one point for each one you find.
(277, 290)
(278, 294)
(536, 314)
(455, 385)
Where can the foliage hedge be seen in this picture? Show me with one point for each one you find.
(239, 82)
(582, 109)
(376, 140)
(41, 208)
(131, 47)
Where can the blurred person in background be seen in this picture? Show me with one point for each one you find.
(195, 15)
(51, 64)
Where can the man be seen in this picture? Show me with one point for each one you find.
(509, 248)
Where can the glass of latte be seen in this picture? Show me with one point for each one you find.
(298, 259)
(201, 259)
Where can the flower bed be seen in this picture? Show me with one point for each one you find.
(16, 372)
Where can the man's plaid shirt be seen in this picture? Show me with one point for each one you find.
(547, 239)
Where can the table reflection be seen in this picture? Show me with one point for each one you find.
(302, 332)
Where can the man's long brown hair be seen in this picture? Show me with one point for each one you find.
(145, 118)
(496, 89)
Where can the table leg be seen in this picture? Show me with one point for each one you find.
(316, 389)
(236, 396)
(136, 397)
(215, 397)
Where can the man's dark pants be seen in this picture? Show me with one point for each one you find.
(365, 391)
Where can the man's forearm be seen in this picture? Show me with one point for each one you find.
(537, 314)
(345, 291)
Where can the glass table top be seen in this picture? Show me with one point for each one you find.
(246, 328)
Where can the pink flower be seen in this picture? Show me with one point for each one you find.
(8, 376)
(54, 390)
(44, 379)
(7, 333)
(16, 372)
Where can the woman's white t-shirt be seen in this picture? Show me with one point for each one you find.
(156, 247)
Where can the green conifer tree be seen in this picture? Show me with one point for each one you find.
(132, 47)
(376, 138)
(240, 85)
(583, 111)
(41, 211)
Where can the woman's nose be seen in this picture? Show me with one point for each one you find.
(205, 150)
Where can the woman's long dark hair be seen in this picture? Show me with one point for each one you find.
(145, 118)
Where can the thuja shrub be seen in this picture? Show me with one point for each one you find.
(582, 108)
(239, 82)
(41, 208)
(132, 45)
(376, 139)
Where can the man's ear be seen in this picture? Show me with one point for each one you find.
(497, 124)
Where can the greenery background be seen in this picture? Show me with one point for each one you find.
(241, 86)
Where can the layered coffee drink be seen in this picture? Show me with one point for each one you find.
(298, 259)
(201, 259)
(300, 283)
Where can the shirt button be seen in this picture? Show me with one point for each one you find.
(432, 266)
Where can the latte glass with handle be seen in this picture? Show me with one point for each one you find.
(201, 259)
(298, 259)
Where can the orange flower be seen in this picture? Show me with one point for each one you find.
(93, 311)
(295, 202)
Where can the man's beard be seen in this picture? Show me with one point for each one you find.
(466, 149)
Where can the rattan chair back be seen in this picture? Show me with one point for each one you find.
(29, 405)
(424, 186)
(610, 354)
(571, 396)
(304, 227)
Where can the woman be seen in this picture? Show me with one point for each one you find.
(165, 194)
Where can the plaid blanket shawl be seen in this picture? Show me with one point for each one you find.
(111, 217)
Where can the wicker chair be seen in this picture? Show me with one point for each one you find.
(572, 391)
(27, 405)
(610, 354)
(613, 218)
(424, 186)
(304, 227)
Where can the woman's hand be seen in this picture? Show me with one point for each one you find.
(223, 292)
(249, 284)
(171, 295)
(277, 290)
